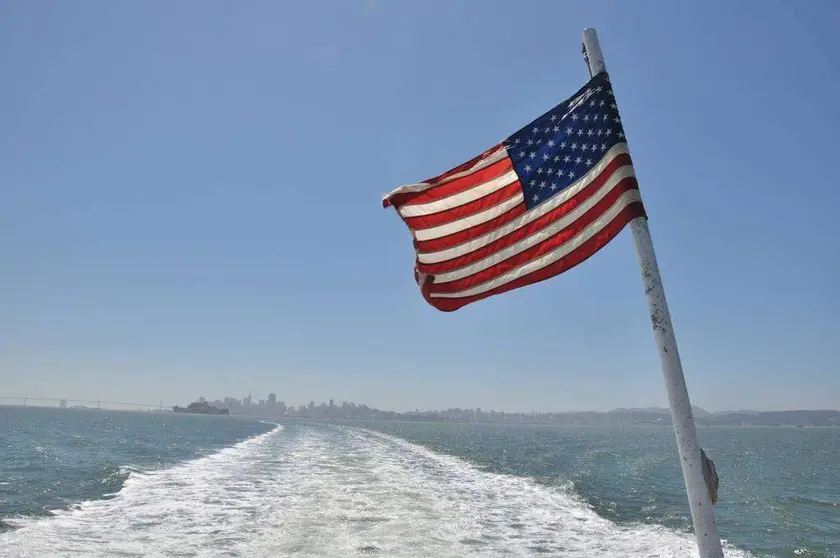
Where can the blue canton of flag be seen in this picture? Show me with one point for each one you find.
(565, 143)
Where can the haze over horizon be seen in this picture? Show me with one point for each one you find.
(191, 202)
(127, 404)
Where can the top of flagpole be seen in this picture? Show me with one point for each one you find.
(592, 52)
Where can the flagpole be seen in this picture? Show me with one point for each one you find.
(691, 458)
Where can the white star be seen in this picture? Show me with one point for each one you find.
(522, 153)
(546, 157)
(539, 141)
(516, 141)
(527, 168)
(600, 132)
(540, 170)
(621, 134)
(575, 117)
(536, 197)
(566, 159)
(551, 143)
(569, 131)
(580, 132)
(589, 161)
(562, 145)
(602, 103)
(536, 130)
(533, 183)
(617, 120)
(586, 118)
(589, 133)
(556, 158)
(542, 184)
(532, 155)
(556, 129)
(571, 174)
(578, 160)
(599, 89)
(613, 106)
(530, 142)
(553, 117)
(574, 145)
(604, 118)
(553, 185)
(603, 147)
(550, 172)
(560, 172)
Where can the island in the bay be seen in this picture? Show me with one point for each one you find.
(201, 408)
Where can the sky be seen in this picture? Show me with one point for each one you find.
(191, 201)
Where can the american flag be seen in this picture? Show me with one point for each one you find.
(529, 208)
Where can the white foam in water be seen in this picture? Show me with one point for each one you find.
(338, 493)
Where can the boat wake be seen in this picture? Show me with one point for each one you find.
(319, 491)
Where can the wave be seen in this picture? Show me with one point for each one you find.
(337, 491)
(592, 533)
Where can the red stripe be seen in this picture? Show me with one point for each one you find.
(583, 252)
(455, 186)
(538, 224)
(465, 166)
(463, 211)
(454, 239)
(438, 244)
(538, 250)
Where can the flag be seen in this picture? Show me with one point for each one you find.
(529, 208)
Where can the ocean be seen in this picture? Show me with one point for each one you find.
(109, 483)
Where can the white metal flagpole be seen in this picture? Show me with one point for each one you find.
(691, 458)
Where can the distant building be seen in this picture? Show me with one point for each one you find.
(232, 404)
(272, 399)
(62, 404)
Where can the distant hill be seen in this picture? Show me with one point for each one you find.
(776, 418)
(698, 412)
(657, 415)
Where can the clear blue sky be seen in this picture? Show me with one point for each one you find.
(191, 201)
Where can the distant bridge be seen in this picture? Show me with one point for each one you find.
(98, 402)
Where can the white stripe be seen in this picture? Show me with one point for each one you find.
(498, 155)
(471, 221)
(536, 213)
(561, 251)
(460, 198)
(538, 236)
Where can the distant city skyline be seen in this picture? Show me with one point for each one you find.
(272, 408)
(272, 405)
